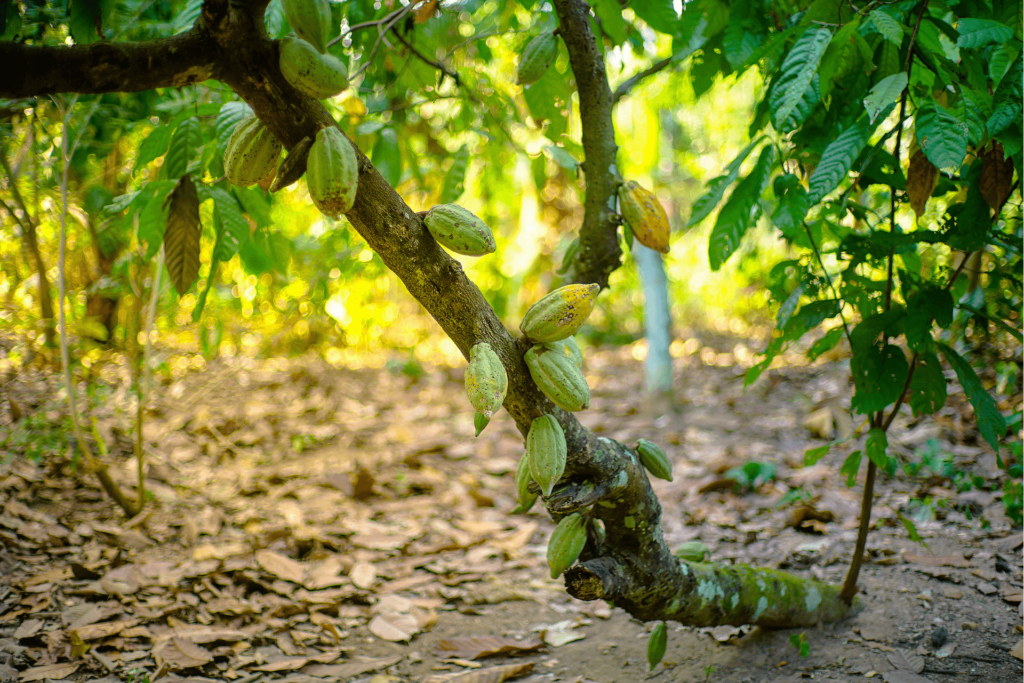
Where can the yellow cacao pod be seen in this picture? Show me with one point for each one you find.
(570, 348)
(654, 459)
(459, 230)
(311, 21)
(332, 172)
(486, 381)
(566, 543)
(557, 375)
(536, 58)
(559, 314)
(317, 75)
(692, 551)
(525, 497)
(546, 450)
(251, 153)
(645, 215)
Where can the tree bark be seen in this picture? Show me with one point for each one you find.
(658, 325)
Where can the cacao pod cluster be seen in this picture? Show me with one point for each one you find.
(645, 216)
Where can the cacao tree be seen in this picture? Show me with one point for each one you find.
(843, 83)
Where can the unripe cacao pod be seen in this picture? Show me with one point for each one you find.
(570, 348)
(332, 172)
(317, 75)
(459, 230)
(546, 449)
(486, 381)
(654, 459)
(480, 422)
(251, 152)
(692, 551)
(557, 375)
(311, 20)
(560, 313)
(645, 215)
(536, 58)
(566, 543)
(523, 494)
(656, 645)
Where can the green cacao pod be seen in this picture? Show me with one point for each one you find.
(654, 459)
(559, 313)
(566, 543)
(692, 551)
(459, 230)
(545, 447)
(332, 172)
(251, 153)
(317, 75)
(536, 58)
(523, 494)
(486, 381)
(570, 348)
(480, 422)
(656, 644)
(645, 215)
(557, 375)
(311, 20)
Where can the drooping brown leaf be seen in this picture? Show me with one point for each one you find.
(474, 647)
(905, 660)
(922, 177)
(181, 239)
(996, 176)
(292, 166)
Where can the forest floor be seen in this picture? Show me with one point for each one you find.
(311, 523)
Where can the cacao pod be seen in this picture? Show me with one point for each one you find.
(311, 20)
(459, 230)
(656, 644)
(251, 153)
(692, 551)
(566, 543)
(996, 179)
(317, 75)
(293, 166)
(546, 449)
(645, 215)
(560, 313)
(654, 459)
(922, 177)
(486, 381)
(570, 348)
(557, 375)
(332, 172)
(523, 494)
(536, 58)
(480, 422)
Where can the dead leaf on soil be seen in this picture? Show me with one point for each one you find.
(394, 628)
(474, 647)
(28, 629)
(178, 653)
(337, 672)
(284, 568)
(905, 660)
(945, 651)
(363, 575)
(495, 674)
(938, 560)
(905, 677)
(293, 663)
(52, 671)
(1018, 650)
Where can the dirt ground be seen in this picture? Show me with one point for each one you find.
(313, 523)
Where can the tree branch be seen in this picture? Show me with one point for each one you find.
(632, 81)
(599, 253)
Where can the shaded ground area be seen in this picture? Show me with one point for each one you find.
(312, 523)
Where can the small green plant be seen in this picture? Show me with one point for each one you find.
(137, 676)
(39, 435)
(752, 474)
(800, 643)
(708, 670)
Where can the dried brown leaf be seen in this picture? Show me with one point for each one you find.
(28, 628)
(938, 560)
(474, 647)
(922, 178)
(179, 653)
(394, 628)
(996, 179)
(905, 660)
(495, 674)
(181, 238)
(284, 568)
(348, 669)
(53, 671)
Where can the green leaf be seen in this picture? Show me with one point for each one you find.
(154, 146)
(798, 114)
(928, 385)
(197, 312)
(455, 178)
(788, 307)
(798, 69)
(656, 644)
(884, 94)
(87, 17)
(825, 344)
(186, 140)
(991, 422)
(610, 14)
(658, 14)
(741, 210)
(932, 303)
(835, 163)
(879, 375)
(890, 29)
(981, 32)
(911, 529)
(876, 446)
(547, 99)
(387, 157)
(153, 222)
(850, 468)
(717, 187)
(813, 455)
(809, 317)
(972, 221)
(943, 137)
(231, 227)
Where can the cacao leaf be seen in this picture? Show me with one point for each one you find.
(181, 237)
(922, 176)
(996, 176)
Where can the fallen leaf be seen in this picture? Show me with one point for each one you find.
(905, 677)
(945, 651)
(363, 575)
(905, 660)
(495, 674)
(393, 628)
(349, 669)
(1018, 650)
(179, 653)
(474, 647)
(938, 560)
(53, 671)
(28, 629)
(284, 568)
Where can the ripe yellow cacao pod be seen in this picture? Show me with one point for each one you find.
(645, 215)
(566, 543)
(317, 75)
(536, 58)
(459, 230)
(692, 551)
(251, 152)
(557, 375)
(486, 381)
(311, 21)
(560, 313)
(546, 450)
(570, 348)
(654, 459)
(525, 497)
(332, 172)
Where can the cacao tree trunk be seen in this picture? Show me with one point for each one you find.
(658, 326)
